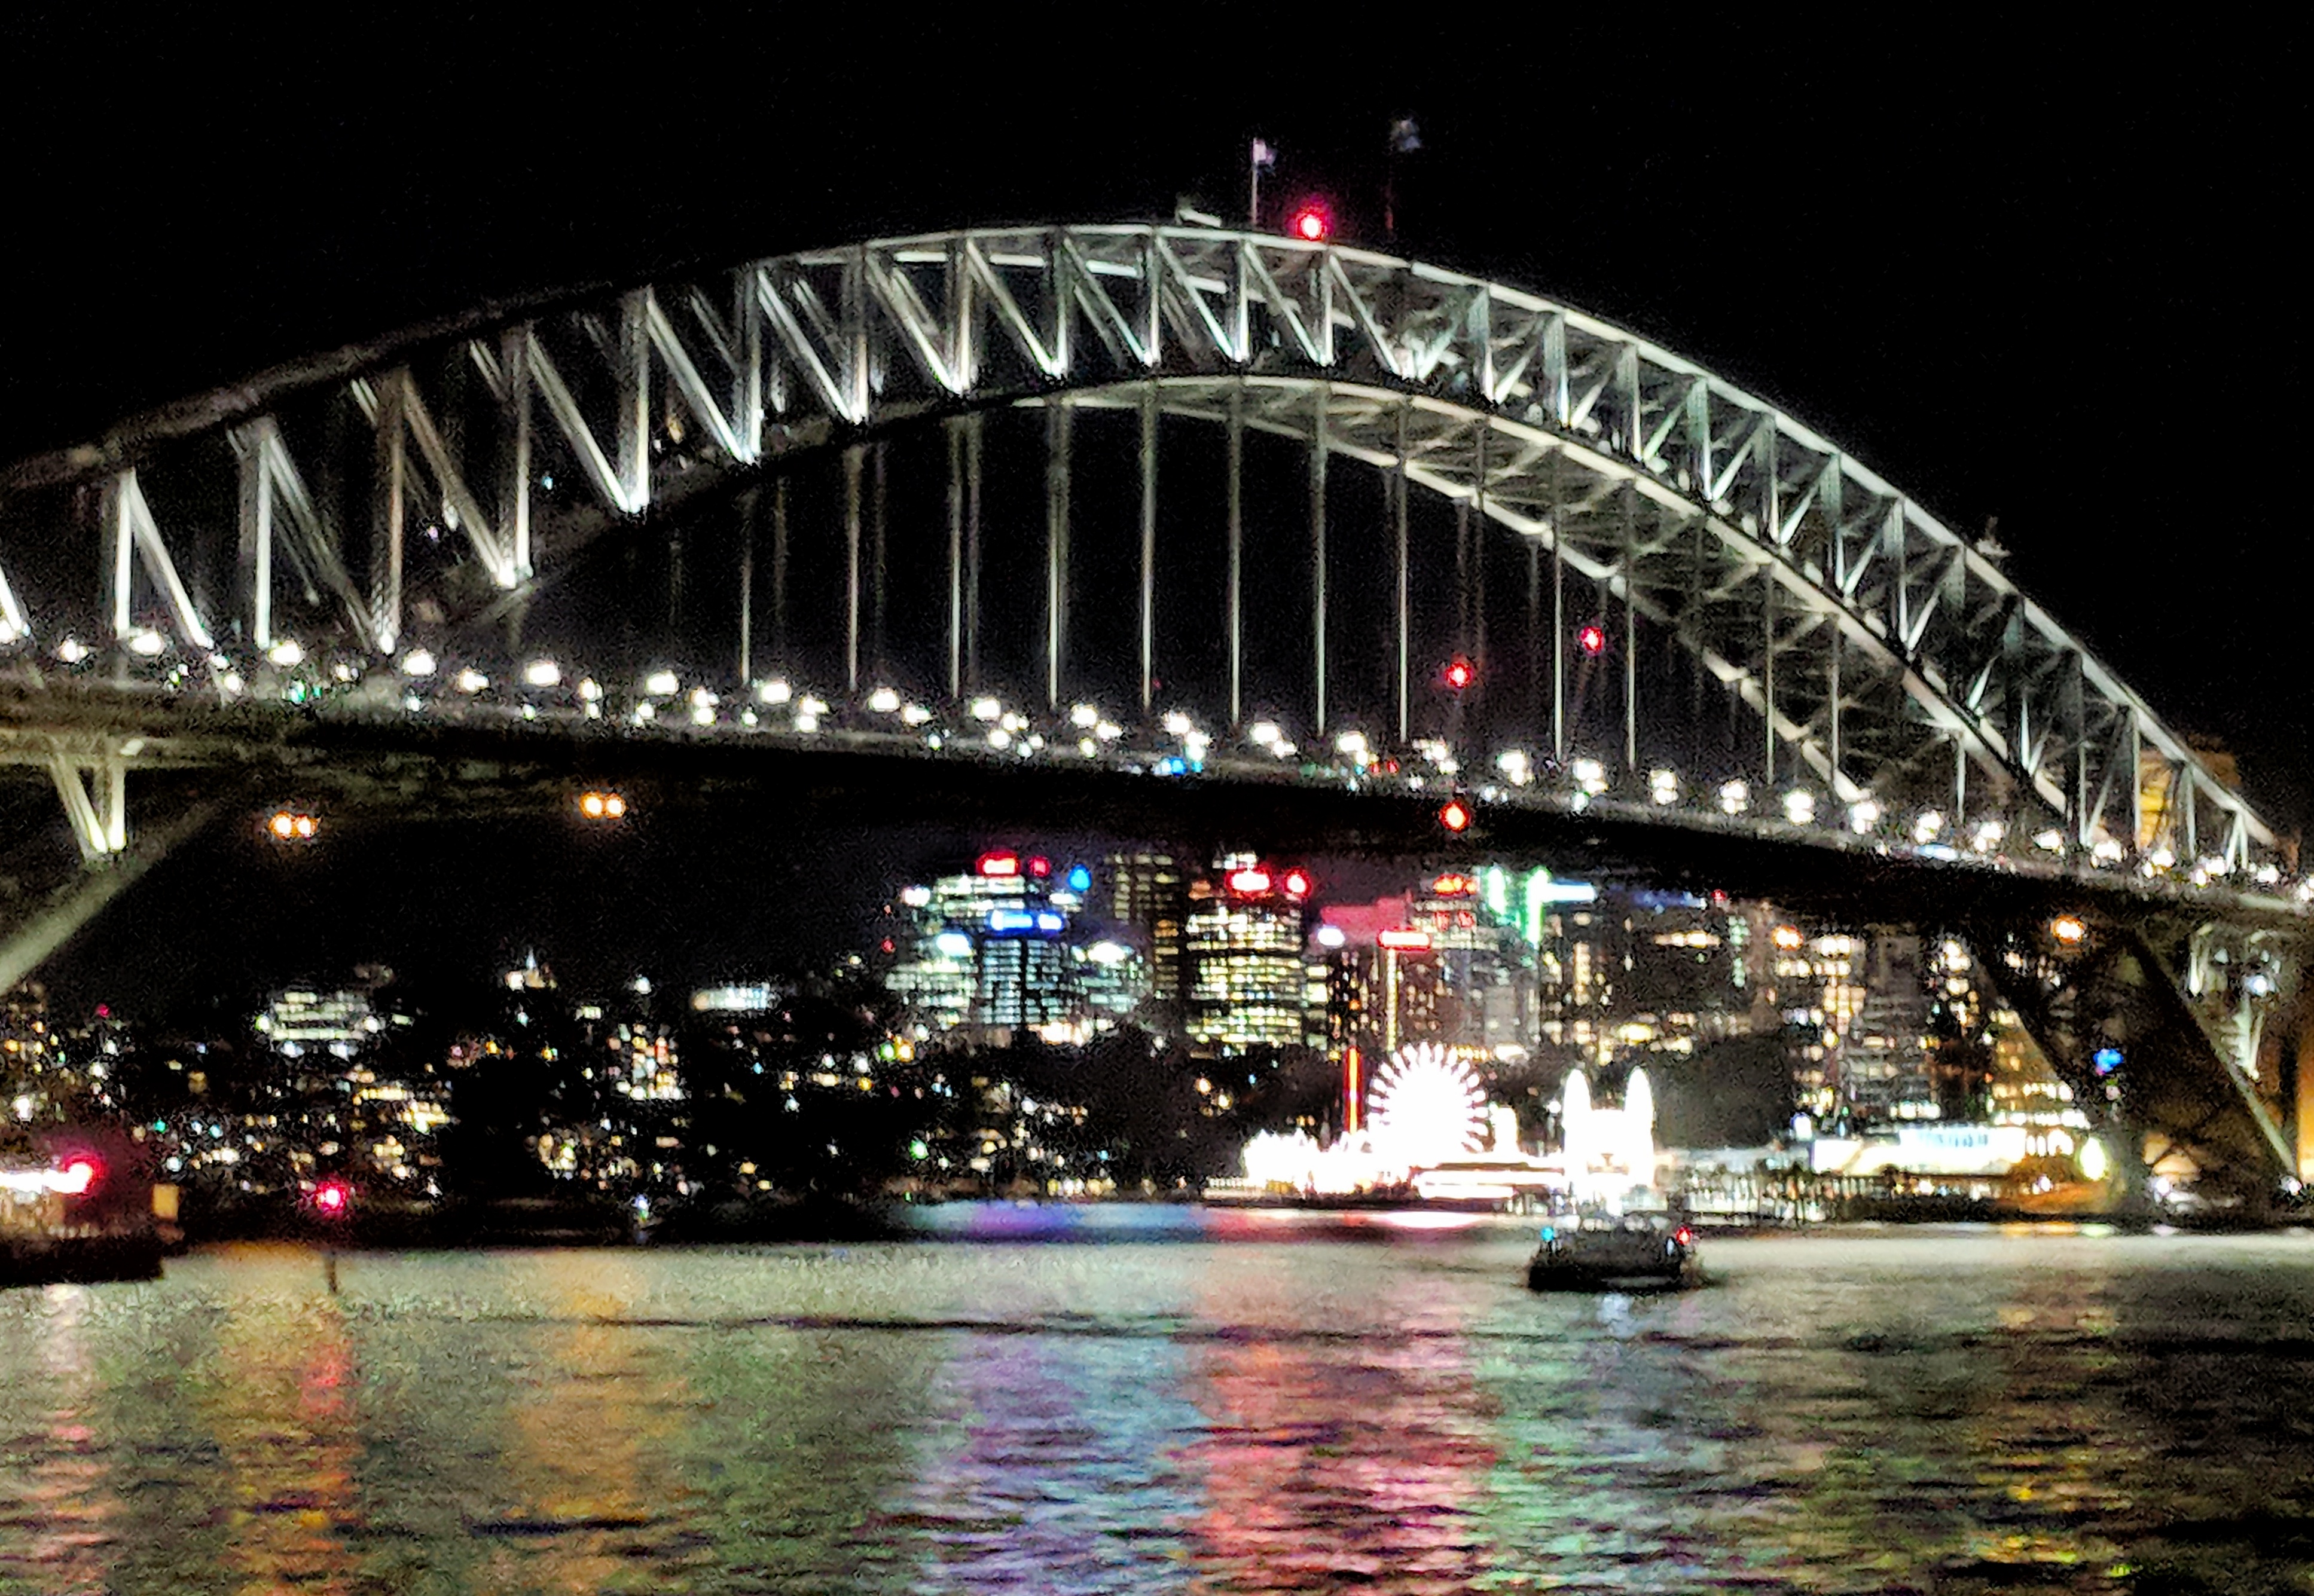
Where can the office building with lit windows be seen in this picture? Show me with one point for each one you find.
(1243, 959)
(988, 951)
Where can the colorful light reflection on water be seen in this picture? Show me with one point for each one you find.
(1238, 1403)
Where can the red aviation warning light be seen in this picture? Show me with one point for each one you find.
(1003, 862)
(1312, 222)
(1250, 883)
(1296, 883)
(1591, 637)
(1459, 673)
(1455, 817)
(331, 1198)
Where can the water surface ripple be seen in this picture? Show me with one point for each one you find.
(1384, 1412)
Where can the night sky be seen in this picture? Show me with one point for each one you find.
(2041, 280)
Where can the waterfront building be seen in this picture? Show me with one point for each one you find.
(1243, 956)
(986, 952)
(1145, 892)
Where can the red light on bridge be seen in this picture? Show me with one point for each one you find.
(1592, 638)
(332, 1198)
(1460, 673)
(1455, 817)
(1312, 223)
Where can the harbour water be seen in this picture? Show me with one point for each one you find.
(1244, 1404)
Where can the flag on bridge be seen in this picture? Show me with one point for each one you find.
(1265, 155)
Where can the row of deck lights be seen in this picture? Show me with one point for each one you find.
(1090, 734)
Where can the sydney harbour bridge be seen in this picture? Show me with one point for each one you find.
(1171, 526)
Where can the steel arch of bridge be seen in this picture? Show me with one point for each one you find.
(1872, 640)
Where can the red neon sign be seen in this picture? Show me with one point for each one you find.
(1039, 866)
(998, 864)
(1296, 884)
(1404, 941)
(1455, 886)
(1250, 884)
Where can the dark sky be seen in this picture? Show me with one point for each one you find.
(2040, 278)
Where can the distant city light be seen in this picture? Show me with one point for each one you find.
(542, 673)
(289, 825)
(1663, 786)
(1331, 936)
(953, 945)
(602, 805)
(1455, 817)
(1080, 878)
(1296, 883)
(418, 662)
(1250, 883)
(1863, 816)
(1404, 940)
(999, 863)
(2069, 929)
(662, 684)
(1735, 797)
(884, 700)
(286, 653)
(1788, 937)
(472, 681)
(1800, 807)
(774, 692)
(147, 642)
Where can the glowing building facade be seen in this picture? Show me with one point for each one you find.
(1242, 952)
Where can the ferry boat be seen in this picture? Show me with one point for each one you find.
(78, 1204)
(1590, 1251)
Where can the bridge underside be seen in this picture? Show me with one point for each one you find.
(2121, 989)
